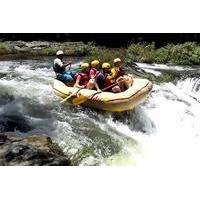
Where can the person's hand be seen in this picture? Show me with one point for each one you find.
(119, 80)
(68, 63)
(117, 69)
(81, 86)
(78, 94)
(92, 80)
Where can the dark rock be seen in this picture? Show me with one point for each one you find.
(30, 150)
(3, 138)
(13, 123)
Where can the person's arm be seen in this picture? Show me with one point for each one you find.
(65, 65)
(92, 73)
(96, 86)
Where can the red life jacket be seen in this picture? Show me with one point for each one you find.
(93, 72)
(83, 78)
(107, 83)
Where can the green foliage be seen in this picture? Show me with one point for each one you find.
(85, 49)
(5, 49)
(187, 53)
(165, 77)
(162, 55)
(49, 51)
(105, 55)
(141, 52)
(82, 153)
(182, 53)
(196, 55)
(54, 147)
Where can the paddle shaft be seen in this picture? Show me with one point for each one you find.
(82, 99)
(71, 95)
(110, 86)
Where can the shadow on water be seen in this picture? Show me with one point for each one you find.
(23, 115)
(136, 119)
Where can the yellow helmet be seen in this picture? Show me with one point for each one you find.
(85, 66)
(105, 65)
(94, 63)
(117, 60)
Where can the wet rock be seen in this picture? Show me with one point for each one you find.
(21, 49)
(13, 123)
(30, 150)
(17, 43)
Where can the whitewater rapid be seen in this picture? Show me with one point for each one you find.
(164, 131)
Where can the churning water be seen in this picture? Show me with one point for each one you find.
(164, 130)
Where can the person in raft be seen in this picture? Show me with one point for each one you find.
(62, 69)
(117, 75)
(106, 82)
(82, 78)
(93, 74)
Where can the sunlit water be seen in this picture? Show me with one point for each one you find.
(163, 131)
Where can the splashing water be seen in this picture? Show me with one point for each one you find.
(164, 131)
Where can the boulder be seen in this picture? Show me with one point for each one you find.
(30, 150)
(37, 44)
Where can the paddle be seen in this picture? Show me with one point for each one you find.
(82, 99)
(71, 95)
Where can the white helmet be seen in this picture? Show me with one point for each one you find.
(117, 60)
(59, 52)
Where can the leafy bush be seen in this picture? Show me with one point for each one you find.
(165, 77)
(5, 49)
(187, 53)
(86, 49)
(162, 55)
(182, 53)
(196, 55)
(105, 55)
(49, 51)
(141, 53)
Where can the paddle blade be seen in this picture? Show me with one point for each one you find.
(79, 100)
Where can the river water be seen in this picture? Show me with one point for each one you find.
(162, 131)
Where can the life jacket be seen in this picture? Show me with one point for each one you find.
(84, 78)
(107, 82)
(114, 74)
(93, 72)
(56, 67)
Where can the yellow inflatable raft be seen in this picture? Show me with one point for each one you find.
(115, 102)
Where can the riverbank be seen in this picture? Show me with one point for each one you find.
(43, 48)
(180, 54)
(187, 53)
